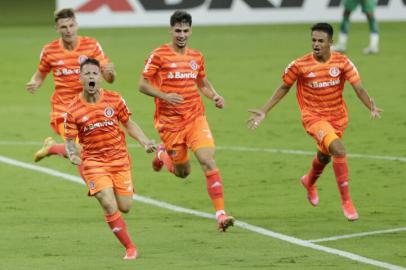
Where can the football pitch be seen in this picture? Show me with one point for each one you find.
(48, 222)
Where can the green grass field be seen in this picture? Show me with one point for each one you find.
(48, 222)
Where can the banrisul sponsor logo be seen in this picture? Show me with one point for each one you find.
(324, 84)
(182, 75)
(66, 71)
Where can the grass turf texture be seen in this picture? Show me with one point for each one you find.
(50, 224)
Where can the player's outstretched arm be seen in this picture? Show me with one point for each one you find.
(35, 82)
(136, 133)
(208, 90)
(109, 72)
(72, 152)
(258, 115)
(362, 94)
(146, 88)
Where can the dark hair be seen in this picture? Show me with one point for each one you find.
(90, 61)
(324, 27)
(181, 16)
(64, 14)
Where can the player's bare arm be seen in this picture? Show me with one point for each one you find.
(362, 94)
(72, 152)
(36, 81)
(109, 72)
(146, 88)
(258, 115)
(136, 133)
(208, 90)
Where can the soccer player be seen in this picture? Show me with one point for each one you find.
(94, 116)
(368, 7)
(173, 73)
(320, 77)
(63, 57)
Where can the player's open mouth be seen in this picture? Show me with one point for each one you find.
(92, 84)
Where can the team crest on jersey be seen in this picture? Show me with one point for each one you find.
(193, 65)
(82, 58)
(108, 112)
(173, 65)
(92, 185)
(334, 72)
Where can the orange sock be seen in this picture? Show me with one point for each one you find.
(215, 189)
(341, 171)
(315, 171)
(164, 157)
(118, 227)
(58, 149)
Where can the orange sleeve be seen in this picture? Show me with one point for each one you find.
(202, 70)
(123, 111)
(99, 54)
(291, 74)
(71, 130)
(44, 66)
(152, 65)
(350, 72)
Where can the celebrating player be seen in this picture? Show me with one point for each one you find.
(173, 73)
(320, 80)
(63, 57)
(94, 117)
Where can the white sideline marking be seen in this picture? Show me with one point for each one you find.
(333, 238)
(240, 224)
(245, 149)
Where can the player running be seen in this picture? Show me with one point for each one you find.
(320, 78)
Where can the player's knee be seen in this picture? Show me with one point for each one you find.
(125, 208)
(337, 148)
(323, 158)
(182, 173)
(208, 163)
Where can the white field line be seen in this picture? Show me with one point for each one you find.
(338, 237)
(249, 227)
(245, 149)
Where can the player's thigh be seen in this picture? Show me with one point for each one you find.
(122, 182)
(97, 179)
(199, 135)
(368, 6)
(324, 133)
(351, 5)
(107, 200)
(124, 202)
(175, 146)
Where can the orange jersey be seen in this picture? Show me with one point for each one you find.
(98, 128)
(320, 88)
(65, 66)
(171, 72)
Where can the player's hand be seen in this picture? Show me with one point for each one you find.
(173, 98)
(32, 86)
(375, 111)
(75, 159)
(150, 146)
(109, 67)
(218, 101)
(257, 116)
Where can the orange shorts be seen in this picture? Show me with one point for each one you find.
(57, 118)
(120, 181)
(195, 135)
(322, 131)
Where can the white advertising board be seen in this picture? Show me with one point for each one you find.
(125, 13)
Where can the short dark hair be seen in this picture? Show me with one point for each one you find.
(90, 61)
(181, 16)
(324, 27)
(64, 14)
